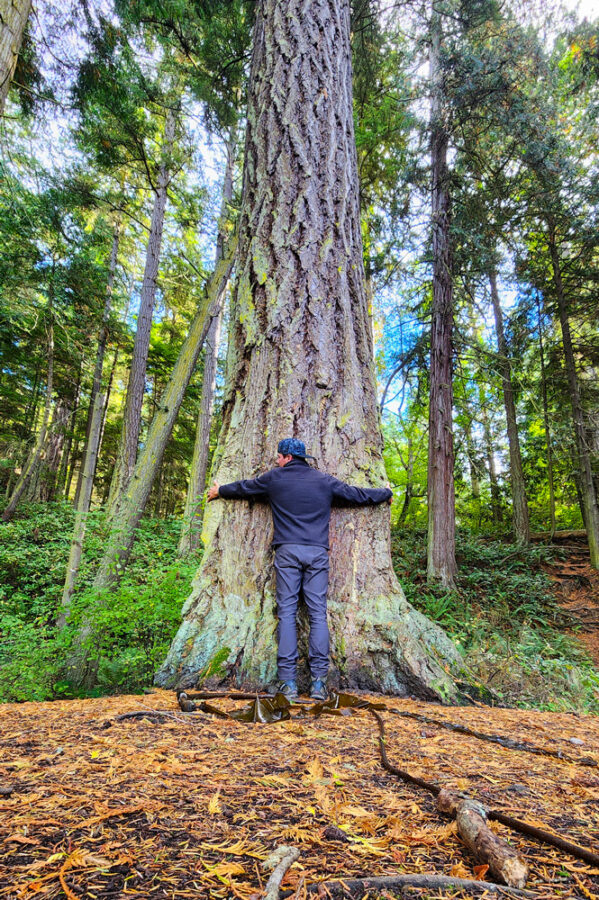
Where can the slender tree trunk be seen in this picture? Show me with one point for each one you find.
(137, 374)
(496, 512)
(49, 463)
(520, 518)
(13, 19)
(441, 562)
(70, 446)
(587, 484)
(122, 532)
(547, 427)
(472, 460)
(300, 363)
(87, 484)
(192, 515)
(101, 350)
(34, 457)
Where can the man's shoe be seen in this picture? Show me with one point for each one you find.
(287, 688)
(318, 691)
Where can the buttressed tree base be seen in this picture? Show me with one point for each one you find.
(300, 363)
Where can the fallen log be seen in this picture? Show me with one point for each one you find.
(358, 887)
(471, 817)
(558, 536)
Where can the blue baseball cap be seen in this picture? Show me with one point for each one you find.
(293, 447)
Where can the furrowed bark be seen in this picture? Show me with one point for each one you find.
(520, 519)
(13, 19)
(137, 375)
(587, 484)
(192, 515)
(441, 563)
(300, 362)
(34, 457)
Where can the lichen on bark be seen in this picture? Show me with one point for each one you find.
(300, 363)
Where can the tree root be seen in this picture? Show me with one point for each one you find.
(515, 824)
(506, 742)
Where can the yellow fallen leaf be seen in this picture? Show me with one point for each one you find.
(459, 870)
(214, 805)
(315, 768)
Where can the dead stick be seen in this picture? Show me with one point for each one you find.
(506, 742)
(359, 886)
(286, 856)
(515, 824)
(504, 862)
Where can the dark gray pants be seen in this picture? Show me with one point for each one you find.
(302, 567)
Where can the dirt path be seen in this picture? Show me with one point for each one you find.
(577, 590)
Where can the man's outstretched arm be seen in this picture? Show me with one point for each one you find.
(357, 496)
(249, 489)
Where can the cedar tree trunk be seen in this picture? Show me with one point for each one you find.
(300, 363)
(520, 521)
(441, 563)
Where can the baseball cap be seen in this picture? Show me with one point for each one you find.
(293, 447)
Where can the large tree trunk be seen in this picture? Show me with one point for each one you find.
(137, 374)
(587, 485)
(34, 457)
(441, 563)
(13, 19)
(300, 363)
(520, 519)
(192, 515)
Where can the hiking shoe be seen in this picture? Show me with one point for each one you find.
(318, 691)
(287, 688)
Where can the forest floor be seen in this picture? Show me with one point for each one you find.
(189, 806)
(577, 592)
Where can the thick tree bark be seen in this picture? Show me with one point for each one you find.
(192, 515)
(300, 363)
(137, 374)
(100, 353)
(13, 19)
(587, 484)
(34, 457)
(441, 563)
(520, 519)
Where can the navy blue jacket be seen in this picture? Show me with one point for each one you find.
(301, 498)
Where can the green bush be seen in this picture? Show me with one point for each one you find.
(131, 628)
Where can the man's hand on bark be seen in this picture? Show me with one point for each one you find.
(213, 492)
(390, 500)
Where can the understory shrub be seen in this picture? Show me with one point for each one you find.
(131, 628)
(504, 619)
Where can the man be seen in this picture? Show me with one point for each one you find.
(300, 498)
